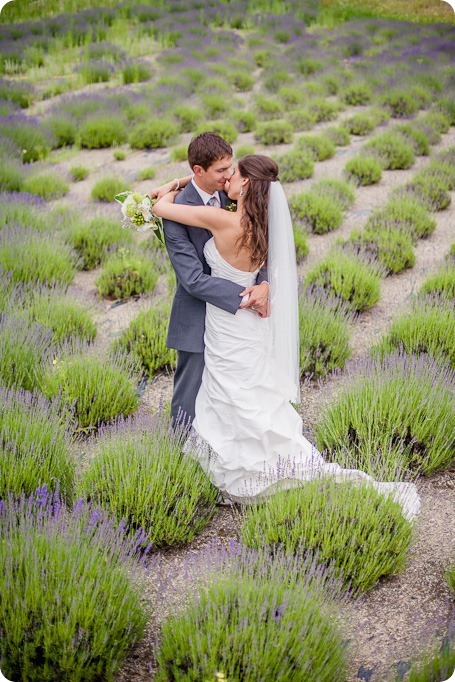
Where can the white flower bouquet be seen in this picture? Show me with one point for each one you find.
(137, 213)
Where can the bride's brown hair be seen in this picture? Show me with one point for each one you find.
(260, 171)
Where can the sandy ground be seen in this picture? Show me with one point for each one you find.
(398, 618)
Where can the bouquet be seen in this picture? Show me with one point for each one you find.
(137, 213)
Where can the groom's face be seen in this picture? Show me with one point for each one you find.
(215, 177)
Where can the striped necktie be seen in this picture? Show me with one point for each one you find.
(213, 201)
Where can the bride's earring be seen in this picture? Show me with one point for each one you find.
(241, 192)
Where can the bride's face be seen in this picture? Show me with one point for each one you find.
(235, 184)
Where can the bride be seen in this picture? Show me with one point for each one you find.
(246, 433)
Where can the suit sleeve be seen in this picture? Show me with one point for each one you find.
(188, 267)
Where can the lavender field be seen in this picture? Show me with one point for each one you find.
(115, 561)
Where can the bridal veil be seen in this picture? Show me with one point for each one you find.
(282, 274)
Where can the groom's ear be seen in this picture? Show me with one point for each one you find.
(198, 170)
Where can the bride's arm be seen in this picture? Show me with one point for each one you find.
(172, 185)
(206, 217)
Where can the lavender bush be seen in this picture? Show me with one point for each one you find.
(263, 619)
(390, 247)
(399, 409)
(361, 533)
(25, 351)
(35, 448)
(407, 214)
(392, 150)
(428, 328)
(363, 170)
(324, 334)
(105, 189)
(71, 597)
(315, 212)
(55, 310)
(442, 283)
(145, 338)
(297, 164)
(33, 256)
(45, 185)
(356, 282)
(319, 146)
(100, 131)
(93, 241)
(137, 470)
(127, 273)
(98, 389)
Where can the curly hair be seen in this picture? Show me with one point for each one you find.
(261, 171)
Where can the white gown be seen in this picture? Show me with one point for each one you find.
(246, 434)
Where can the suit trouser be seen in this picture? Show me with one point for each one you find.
(187, 380)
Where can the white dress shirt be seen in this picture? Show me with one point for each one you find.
(205, 196)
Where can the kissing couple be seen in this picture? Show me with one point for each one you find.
(235, 325)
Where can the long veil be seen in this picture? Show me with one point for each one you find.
(282, 274)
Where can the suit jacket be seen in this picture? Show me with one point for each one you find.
(195, 285)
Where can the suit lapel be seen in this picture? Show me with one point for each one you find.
(192, 196)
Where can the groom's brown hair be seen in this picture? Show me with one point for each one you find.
(206, 148)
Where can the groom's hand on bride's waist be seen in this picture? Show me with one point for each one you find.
(256, 298)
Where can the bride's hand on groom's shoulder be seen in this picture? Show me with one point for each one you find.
(258, 299)
(163, 190)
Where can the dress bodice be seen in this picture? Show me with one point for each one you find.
(221, 268)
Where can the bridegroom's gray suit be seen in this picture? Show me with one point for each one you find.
(195, 287)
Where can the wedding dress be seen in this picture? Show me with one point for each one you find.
(246, 434)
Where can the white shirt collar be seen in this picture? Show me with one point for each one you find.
(204, 195)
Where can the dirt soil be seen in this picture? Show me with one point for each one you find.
(401, 616)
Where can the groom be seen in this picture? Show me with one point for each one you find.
(210, 158)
